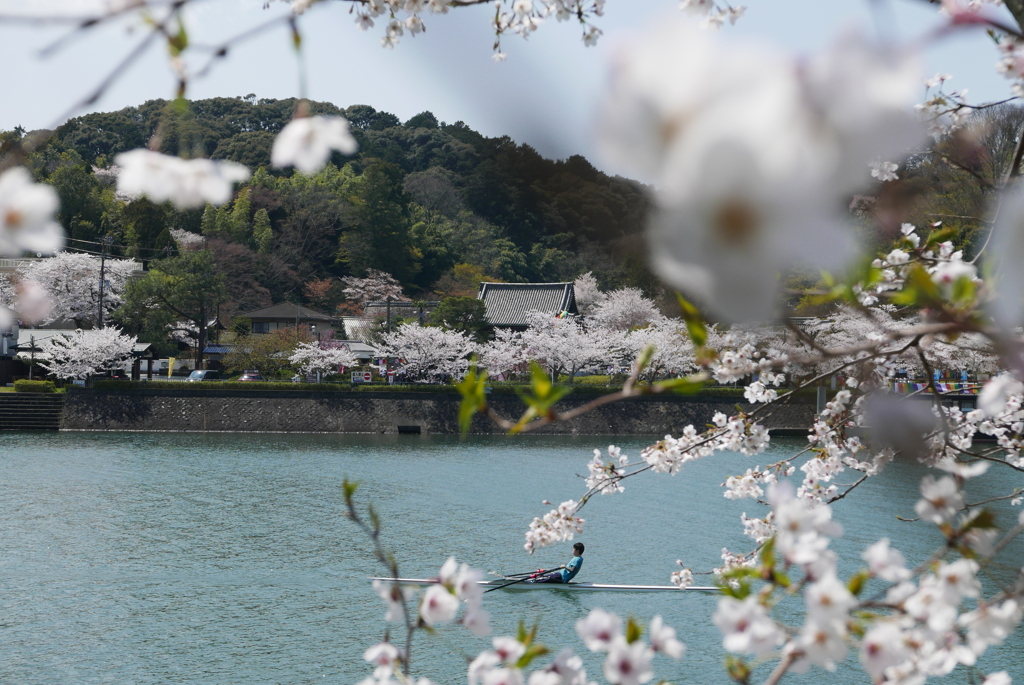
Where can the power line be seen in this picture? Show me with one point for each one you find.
(123, 247)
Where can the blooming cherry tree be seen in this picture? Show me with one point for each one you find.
(588, 294)
(376, 287)
(85, 353)
(71, 282)
(321, 358)
(621, 310)
(564, 346)
(426, 351)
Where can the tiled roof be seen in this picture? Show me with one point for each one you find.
(508, 303)
(286, 311)
(217, 349)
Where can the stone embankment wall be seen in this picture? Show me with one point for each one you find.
(382, 412)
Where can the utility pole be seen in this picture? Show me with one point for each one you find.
(105, 241)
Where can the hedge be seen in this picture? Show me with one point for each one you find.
(217, 385)
(34, 386)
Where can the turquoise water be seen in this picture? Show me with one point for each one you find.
(164, 558)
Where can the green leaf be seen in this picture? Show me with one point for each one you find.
(634, 631)
(694, 322)
(857, 582)
(940, 236)
(982, 520)
(177, 43)
(473, 388)
(737, 669)
(545, 394)
(645, 358)
(521, 634)
(349, 488)
(768, 553)
(918, 290)
(964, 290)
(531, 653)
(531, 635)
(689, 385)
(739, 591)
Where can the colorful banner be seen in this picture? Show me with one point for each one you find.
(944, 387)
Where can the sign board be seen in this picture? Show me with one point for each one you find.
(362, 376)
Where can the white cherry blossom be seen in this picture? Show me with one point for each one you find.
(828, 600)
(663, 639)
(306, 143)
(884, 646)
(599, 630)
(941, 499)
(822, 643)
(27, 210)
(183, 183)
(394, 596)
(439, 605)
(628, 663)
(885, 562)
(746, 626)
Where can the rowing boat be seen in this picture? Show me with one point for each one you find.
(510, 585)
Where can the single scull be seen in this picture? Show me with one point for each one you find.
(569, 587)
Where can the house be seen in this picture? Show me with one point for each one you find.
(286, 315)
(508, 304)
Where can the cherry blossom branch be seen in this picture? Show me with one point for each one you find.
(1015, 493)
(389, 562)
(220, 50)
(959, 216)
(159, 28)
(781, 669)
(849, 489)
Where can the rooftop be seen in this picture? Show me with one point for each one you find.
(286, 311)
(508, 304)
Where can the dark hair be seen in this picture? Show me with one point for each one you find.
(578, 546)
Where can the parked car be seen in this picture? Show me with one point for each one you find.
(120, 375)
(252, 376)
(203, 375)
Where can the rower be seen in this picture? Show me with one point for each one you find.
(568, 571)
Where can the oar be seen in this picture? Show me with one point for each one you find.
(532, 574)
(516, 575)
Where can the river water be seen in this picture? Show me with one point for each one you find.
(212, 558)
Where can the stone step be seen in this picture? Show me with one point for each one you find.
(30, 411)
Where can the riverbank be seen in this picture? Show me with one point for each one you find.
(425, 413)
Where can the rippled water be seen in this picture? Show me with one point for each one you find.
(163, 558)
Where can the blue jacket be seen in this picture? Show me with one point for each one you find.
(571, 569)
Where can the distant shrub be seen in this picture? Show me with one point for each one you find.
(34, 386)
(218, 385)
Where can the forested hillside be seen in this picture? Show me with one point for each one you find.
(438, 205)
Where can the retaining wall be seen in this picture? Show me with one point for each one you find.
(382, 412)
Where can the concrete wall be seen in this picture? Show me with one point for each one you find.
(380, 412)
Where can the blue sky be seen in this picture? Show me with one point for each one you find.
(545, 94)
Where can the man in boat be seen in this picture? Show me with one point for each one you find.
(568, 571)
